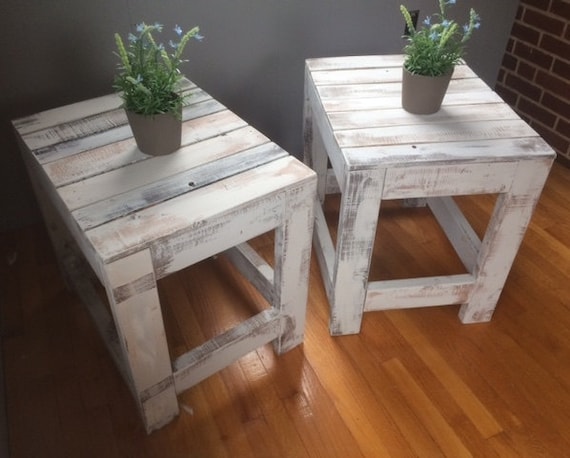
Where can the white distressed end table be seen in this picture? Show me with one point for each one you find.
(136, 218)
(364, 145)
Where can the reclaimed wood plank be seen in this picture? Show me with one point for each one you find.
(469, 87)
(342, 62)
(358, 219)
(322, 139)
(135, 306)
(217, 353)
(195, 211)
(292, 257)
(440, 132)
(129, 202)
(462, 152)
(344, 120)
(324, 250)
(118, 181)
(474, 145)
(104, 138)
(75, 111)
(505, 232)
(253, 267)
(88, 119)
(448, 180)
(370, 73)
(123, 158)
(458, 230)
(418, 292)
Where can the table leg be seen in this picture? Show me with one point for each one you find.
(315, 155)
(133, 297)
(359, 210)
(504, 235)
(61, 240)
(292, 263)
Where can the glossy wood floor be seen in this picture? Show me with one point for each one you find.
(413, 383)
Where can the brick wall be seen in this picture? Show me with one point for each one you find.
(535, 74)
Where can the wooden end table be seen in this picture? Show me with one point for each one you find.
(136, 218)
(362, 143)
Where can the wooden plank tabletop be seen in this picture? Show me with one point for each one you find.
(360, 99)
(108, 190)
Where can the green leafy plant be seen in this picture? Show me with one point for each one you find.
(148, 75)
(439, 45)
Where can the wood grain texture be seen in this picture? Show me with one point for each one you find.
(136, 219)
(498, 389)
(475, 144)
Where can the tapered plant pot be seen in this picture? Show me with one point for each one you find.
(423, 94)
(156, 135)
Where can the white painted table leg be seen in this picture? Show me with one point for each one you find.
(358, 219)
(292, 263)
(315, 155)
(61, 241)
(504, 235)
(133, 296)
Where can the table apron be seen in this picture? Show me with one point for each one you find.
(449, 180)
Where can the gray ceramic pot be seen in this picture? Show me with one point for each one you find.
(423, 94)
(156, 135)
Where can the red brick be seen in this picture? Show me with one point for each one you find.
(533, 55)
(543, 22)
(554, 103)
(509, 96)
(536, 112)
(561, 8)
(523, 87)
(510, 62)
(510, 45)
(562, 69)
(501, 75)
(556, 46)
(563, 128)
(526, 71)
(540, 4)
(565, 161)
(525, 33)
(553, 84)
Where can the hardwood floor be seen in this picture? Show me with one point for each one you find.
(412, 383)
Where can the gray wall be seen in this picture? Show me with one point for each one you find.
(60, 51)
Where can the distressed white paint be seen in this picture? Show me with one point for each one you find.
(136, 218)
(474, 145)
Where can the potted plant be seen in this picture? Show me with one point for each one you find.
(148, 79)
(430, 57)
